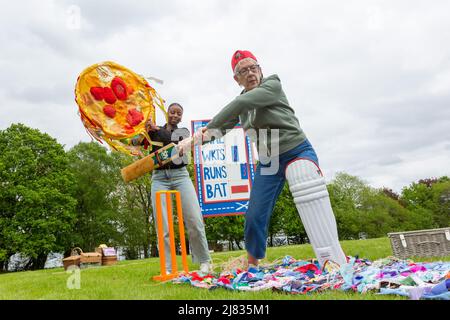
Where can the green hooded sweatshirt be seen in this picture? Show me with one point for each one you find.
(264, 107)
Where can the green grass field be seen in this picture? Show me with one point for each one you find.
(132, 279)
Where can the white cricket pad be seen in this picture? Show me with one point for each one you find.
(311, 197)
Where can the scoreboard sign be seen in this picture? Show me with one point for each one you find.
(224, 172)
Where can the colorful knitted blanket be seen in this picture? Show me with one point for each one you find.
(420, 280)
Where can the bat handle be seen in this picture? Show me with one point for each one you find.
(158, 158)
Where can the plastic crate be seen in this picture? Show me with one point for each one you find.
(421, 243)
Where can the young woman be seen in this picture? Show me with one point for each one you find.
(174, 176)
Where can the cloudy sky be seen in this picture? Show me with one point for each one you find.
(369, 80)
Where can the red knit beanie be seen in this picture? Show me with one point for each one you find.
(239, 55)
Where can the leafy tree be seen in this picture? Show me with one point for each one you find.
(441, 197)
(347, 195)
(36, 203)
(110, 210)
(286, 220)
(418, 195)
(228, 228)
(136, 220)
(347, 216)
(350, 187)
(390, 193)
(381, 214)
(361, 209)
(429, 201)
(96, 174)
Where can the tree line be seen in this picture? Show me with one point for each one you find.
(52, 200)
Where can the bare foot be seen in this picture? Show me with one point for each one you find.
(252, 260)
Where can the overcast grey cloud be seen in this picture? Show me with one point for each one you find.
(369, 80)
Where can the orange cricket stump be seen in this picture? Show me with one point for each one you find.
(163, 276)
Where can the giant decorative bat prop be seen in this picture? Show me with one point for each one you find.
(157, 159)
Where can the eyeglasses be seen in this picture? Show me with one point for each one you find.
(244, 71)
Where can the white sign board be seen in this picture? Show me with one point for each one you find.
(224, 172)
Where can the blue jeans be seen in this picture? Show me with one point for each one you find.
(178, 179)
(263, 196)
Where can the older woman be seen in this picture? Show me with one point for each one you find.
(262, 107)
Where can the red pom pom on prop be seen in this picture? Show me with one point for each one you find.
(129, 129)
(109, 110)
(130, 90)
(97, 93)
(109, 95)
(120, 88)
(134, 117)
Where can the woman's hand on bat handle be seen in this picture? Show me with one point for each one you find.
(150, 126)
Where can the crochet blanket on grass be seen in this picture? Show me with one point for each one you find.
(416, 280)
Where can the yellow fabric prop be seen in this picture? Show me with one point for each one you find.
(114, 105)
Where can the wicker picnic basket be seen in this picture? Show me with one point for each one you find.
(109, 256)
(108, 261)
(421, 243)
(80, 258)
(72, 260)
